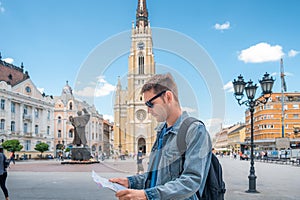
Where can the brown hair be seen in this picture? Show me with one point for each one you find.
(161, 82)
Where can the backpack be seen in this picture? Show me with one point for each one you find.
(214, 188)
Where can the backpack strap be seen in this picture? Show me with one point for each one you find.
(181, 135)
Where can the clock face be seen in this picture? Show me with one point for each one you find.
(141, 114)
(140, 45)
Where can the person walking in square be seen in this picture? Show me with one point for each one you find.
(169, 175)
(140, 157)
(12, 157)
(3, 173)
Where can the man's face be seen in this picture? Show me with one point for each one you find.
(159, 108)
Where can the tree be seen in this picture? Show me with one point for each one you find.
(12, 145)
(41, 147)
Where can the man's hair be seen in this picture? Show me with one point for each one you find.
(161, 82)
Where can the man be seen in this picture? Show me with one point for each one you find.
(139, 160)
(79, 124)
(168, 177)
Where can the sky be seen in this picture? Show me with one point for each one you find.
(204, 44)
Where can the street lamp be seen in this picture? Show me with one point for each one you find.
(239, 86)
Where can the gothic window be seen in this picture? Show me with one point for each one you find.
(141, 64)
(70, 106)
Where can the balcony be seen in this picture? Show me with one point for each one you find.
(27, 117)
(28, 134)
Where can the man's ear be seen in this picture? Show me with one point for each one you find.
(169, 96)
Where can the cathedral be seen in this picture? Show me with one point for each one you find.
(134, 126)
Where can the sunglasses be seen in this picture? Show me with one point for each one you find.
(149, 103)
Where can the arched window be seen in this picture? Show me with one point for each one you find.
(70, 106)
(141, 64)
(13, 126)
(71, 133)
(59, 119)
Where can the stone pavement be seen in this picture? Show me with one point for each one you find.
(51, 180)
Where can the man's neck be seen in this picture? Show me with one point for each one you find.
(174, 115)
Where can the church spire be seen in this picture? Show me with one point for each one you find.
(142, 14)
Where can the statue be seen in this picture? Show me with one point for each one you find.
(79, 124)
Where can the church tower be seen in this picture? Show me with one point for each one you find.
(134, 127)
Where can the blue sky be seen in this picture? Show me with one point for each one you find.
(56, 39)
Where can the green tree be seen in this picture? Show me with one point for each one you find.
(41, 147)
(12, 145)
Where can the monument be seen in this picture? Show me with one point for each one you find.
(80, 150)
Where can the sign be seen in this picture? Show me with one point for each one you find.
(282, 143)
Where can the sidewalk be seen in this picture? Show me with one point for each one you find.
(274, 181)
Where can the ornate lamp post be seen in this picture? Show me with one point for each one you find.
(239, 86)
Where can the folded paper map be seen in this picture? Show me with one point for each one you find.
(105, 183)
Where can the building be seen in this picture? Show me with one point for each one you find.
(67, 105)
(26, 114)
(236, 136)
(268, 121)
(134, 127)
(107, 141)
(230, 138)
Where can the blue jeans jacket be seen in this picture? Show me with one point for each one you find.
(176, 180)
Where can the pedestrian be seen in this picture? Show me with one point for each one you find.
(12, 157)
(3, 173)
(168, 177)
(139, 160)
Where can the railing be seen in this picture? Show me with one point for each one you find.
(27, 117)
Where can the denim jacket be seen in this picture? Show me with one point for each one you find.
(176, 180)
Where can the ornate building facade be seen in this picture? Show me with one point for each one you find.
(97, 135)
(134, 127)
(26, 114)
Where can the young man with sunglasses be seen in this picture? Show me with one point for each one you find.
(169, 175)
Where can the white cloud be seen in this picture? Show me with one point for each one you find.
(262, 52)
(189, 110)
(103, 88)
(41, 90)
(228, 87)
(1, 8)
(222, 27)
(109, 117)
(292, 53)
(8, 60)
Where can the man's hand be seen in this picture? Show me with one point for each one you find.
(121, 181)
(131, 195)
